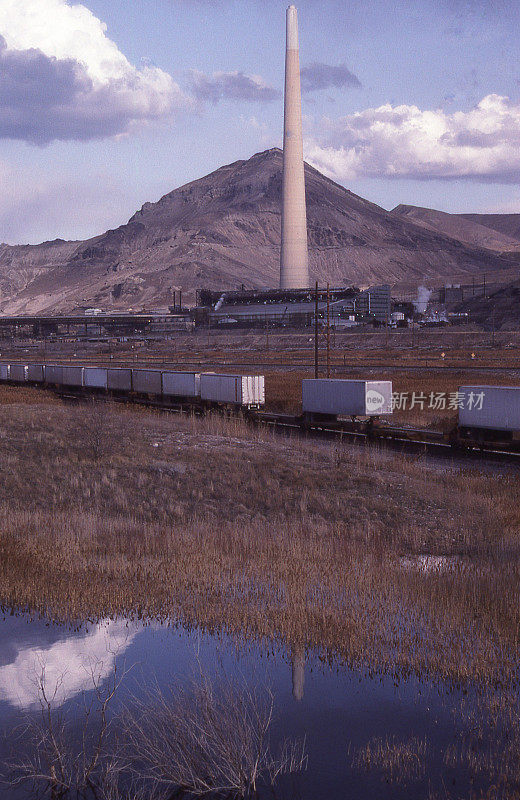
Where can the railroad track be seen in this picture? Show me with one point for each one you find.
(405, 440)
(336, 365)
(414, 441)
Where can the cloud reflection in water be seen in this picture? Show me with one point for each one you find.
(65, 668)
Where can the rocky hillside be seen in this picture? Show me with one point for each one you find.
(223, 231)
(500, 310)
(508, 224)
(468, 228)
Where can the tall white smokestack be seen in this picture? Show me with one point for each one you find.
(294, 260)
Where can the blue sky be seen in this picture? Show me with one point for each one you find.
(405, 102)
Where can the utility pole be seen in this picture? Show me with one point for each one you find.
(328, 330)
(316, 343)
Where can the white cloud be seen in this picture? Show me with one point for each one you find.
(61, 77)
(407, 142)
(62, 31)
(65, 668)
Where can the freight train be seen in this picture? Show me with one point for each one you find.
(186, 388)
(489, 419)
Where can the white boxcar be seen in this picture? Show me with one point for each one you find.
(73, 376)
(18, 373)
(491, 407)
(242, 390)
(4, 372)
(120, 380)
(147, 381)
(95, 378)
(35, 373)
(181, 384)
(53, 374)
(347, 398)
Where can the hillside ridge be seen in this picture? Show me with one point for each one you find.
(222, 231)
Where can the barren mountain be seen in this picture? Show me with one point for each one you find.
(465, 228)
(508, 224)
(223, 231)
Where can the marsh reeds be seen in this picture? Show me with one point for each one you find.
(397, 761)
(210, 523)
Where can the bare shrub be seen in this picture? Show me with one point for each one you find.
(54, 760)
(90, 430)
(201, 740)
(209, 738)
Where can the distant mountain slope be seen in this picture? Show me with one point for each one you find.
(222, 231)
(508, 224)
(462, 227)
(24, 265)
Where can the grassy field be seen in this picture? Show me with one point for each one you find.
(374, 558)
(395, 348)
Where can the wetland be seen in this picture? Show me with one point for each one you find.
(373, 596)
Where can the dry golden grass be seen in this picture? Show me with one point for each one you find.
(395, 760)
(26, 395)
(107, 512)
(462, 347)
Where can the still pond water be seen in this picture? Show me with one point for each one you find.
(337, 709)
